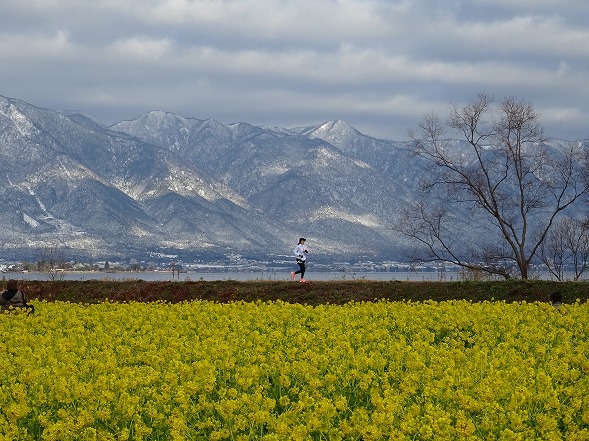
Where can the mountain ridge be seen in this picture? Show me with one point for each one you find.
(186, 185)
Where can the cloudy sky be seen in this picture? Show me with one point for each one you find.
(377, 64)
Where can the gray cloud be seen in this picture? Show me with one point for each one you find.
(377, 64)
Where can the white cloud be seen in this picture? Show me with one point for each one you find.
(35, 45)
(142, 48)
(379, 64)
(527, 35)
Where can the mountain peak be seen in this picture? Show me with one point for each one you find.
(336, 132)
(338, 125)
(328, 127)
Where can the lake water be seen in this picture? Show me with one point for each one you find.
(449, 276)
(240, 276)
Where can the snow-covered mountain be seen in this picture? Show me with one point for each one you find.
(162, 181)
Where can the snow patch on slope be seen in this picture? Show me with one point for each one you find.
(367, 220)
(29, 220)
(21, 122)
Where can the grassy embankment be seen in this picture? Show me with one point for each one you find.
(315, 293)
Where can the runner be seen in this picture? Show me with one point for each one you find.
(300, 253)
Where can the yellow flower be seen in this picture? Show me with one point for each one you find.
(272, 370)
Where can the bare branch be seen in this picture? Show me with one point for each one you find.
(504, 174)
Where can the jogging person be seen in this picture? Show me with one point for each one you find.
(300, 253)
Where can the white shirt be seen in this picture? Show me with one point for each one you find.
(300, 250)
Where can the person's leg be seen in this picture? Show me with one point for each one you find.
(301, 269)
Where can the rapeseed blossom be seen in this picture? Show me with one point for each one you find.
(278, 371)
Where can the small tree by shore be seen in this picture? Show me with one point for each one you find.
(52, 262)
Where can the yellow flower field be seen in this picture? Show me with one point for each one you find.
(278, 371)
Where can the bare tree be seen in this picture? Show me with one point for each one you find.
(554, 253)
(500, 180)
(52, 262)
(567, 246)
